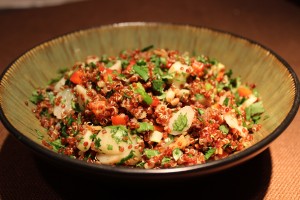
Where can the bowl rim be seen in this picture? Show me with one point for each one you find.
(199, 169)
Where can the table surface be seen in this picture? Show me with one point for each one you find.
(273, 174)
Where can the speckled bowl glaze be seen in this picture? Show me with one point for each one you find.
(275, 79)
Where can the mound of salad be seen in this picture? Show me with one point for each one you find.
(148, 108)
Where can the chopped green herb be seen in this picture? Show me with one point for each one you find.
(200, 111)
(142, 71)
(147, 48)
(248, 113)
(87, 155)
(209, 153)
(226, 145)
(165, 160)
(151, 152)
(141, 62)
(120, 134)
(199, 97)
(76, 107)
(213, 61)
(92, 64)
(226, 101)
(256, 118)
(141, 90)
(140, 164)
(169, 139)
(64, 130)
(145, 126)
(157, 71)
(110, 93)
(109, 147)
(93, 136)
(36, 97)
(168, 76)
(220, 87)
(254, 110)
(257, 108)
(224, 129)
(162, 96)
(97, 143)
(180, 123)
(70, 120)
(163, 60)
(130, 156)
(51, 97)
(39, 134)
(61, 73)
(177, 153)
(158, 85)
(45, 112)
(56, 144)
(228, 73)
(104, 59)
(202, 59)
(237, 110)
(124, 63)
(208, 86)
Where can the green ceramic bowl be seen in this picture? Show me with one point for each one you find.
(276, 82)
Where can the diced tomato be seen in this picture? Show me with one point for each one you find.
(97, 107)
(155, 101)
(130, 65)
(158, 128)
(101, 67)
(107, 73)
(220, 76)
(76, 77)
(244, 91)
(198, 68)
(169, 64)
(120, 119)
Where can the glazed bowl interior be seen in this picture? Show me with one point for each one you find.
(275, 80)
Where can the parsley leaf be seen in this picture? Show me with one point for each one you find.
(257, 108)
(254, 110)
(180, 123)
(36, 97)
(56, 144)
(151, 152)
(224, 129)
(120, 134)
(97, 143)
(109, 147)
(158, 85)
(93, 136)
(123, 160)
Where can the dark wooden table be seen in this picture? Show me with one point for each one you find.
(274, 174)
